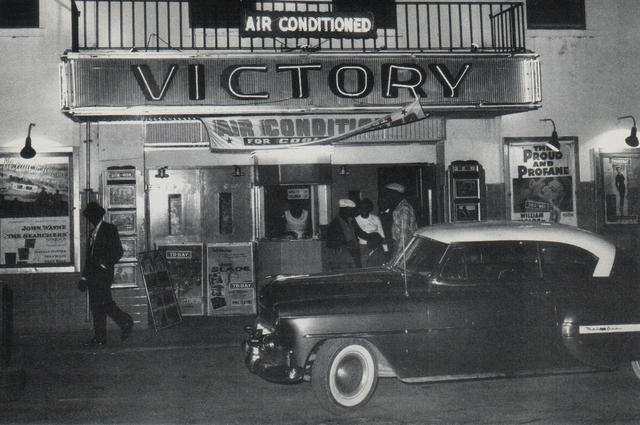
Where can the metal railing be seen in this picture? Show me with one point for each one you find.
(155, 25)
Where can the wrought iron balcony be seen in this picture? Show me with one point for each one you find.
(420, 26)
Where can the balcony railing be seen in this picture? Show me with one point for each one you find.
(158, 25)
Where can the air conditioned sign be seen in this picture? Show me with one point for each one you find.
(307, 24)
(254, 133)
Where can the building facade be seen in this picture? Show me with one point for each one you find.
(198, 126)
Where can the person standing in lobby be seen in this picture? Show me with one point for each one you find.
(404, 222)
(341, 238)
(104, 250)
(372, 246)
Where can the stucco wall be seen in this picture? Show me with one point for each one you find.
(30, 80)
(589, 78)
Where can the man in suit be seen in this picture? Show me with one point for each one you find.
(103, 252)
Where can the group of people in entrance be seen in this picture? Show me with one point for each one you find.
(358, 238)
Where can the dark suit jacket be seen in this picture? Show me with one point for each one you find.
(102, 256)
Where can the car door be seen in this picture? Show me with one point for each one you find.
(475, 314)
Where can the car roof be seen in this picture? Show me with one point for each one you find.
(529, 231)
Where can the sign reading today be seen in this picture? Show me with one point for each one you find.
(307, 24)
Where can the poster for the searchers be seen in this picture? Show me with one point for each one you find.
(35, 213)
(543, 182)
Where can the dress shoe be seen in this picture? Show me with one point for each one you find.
(94, 342)
(126, 331)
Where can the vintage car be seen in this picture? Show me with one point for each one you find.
(463, 301)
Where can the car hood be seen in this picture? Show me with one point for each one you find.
(308, 293)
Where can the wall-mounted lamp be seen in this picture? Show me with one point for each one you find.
(237, 171)
(27, 151)
(553, 142)
(162, 173)
(342, 171)
(632, 140)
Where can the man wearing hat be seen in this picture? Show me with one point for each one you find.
(404, 222)
(104, 250)
(342, 242)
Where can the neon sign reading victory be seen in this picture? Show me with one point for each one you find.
(393, 78)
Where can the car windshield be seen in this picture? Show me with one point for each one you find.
(421, 256)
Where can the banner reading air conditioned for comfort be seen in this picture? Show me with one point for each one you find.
(282, 131)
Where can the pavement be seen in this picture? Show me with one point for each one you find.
(193, 331)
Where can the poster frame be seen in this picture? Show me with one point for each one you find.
(566, 140)
(231, 311)
(120, 174)
(74, 213)
(128, 202)
(129, 254)
(155, 262)
(123, 231)
(203, 289)
(130, 282)
(601, 191)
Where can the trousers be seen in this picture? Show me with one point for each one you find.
(102, 305)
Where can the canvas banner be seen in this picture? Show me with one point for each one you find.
(284, 131)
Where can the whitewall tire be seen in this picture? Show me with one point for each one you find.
(344, 374)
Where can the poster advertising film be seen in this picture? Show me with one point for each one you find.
(231, 279)
(35, 210)
(621, 175)
(543, 182)
(184, 263)
(163, 304)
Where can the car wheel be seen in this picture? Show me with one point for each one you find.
(344, 374)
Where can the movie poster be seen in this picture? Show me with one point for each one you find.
(621, 175)
(543, 183)
(231, 279)
(35, 210)
(184, 262)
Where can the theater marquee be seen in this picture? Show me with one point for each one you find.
(179, 84)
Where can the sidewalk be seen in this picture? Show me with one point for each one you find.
(193, 331)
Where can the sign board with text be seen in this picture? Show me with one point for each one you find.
(163, 304)
(543, 182)
(231, 279)
(36, 211)
(185, 262)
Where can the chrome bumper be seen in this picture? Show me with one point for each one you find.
(268, 359)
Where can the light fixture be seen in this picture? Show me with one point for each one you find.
(342, 171)
(162, 173)
(237, 171)
(553, 142)
(27, 151)
(632, 140)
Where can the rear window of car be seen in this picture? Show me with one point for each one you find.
(565, 261)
